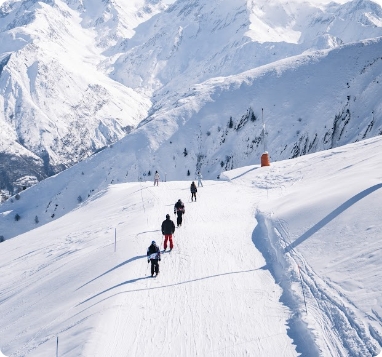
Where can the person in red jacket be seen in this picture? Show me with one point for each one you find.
(168, 229)
(153, 256)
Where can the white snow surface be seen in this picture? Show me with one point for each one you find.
(271, 261)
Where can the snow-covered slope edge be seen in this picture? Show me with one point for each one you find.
(317, 231)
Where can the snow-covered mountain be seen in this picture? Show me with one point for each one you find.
(77, 76)
(269, 261)
(58, 104)
(198, 40)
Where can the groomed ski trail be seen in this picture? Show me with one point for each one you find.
(212, 297)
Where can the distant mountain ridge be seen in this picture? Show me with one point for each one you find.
(77, 76)
(58, 104)
(218, 126)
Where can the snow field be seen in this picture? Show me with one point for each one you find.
(282, 260)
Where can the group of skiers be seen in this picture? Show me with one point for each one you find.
(168, 227)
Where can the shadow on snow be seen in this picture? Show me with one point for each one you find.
(116, 267)
(331, 216)
(262, 238)
(160, 287)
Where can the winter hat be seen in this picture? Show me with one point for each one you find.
(167, 216)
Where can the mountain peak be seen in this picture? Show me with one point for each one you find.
(77, 76)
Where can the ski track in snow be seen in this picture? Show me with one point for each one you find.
(340, 329)
(200, 319)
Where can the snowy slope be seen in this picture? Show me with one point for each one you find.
(76, 76)
(196, 135)
(280, 260)
(325, 227)
(303, 113)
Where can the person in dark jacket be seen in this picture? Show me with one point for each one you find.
(168, 229)
(153, 255)
(193, 190)
(179, 210)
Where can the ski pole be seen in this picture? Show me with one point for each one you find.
(147, 268)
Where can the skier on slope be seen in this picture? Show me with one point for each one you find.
(156, 178)
(153, 255)
(199, 176)
(168, 229)
(193, 190)
(179, 210)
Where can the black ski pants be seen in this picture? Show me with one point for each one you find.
(154, 266)
(179, 218)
